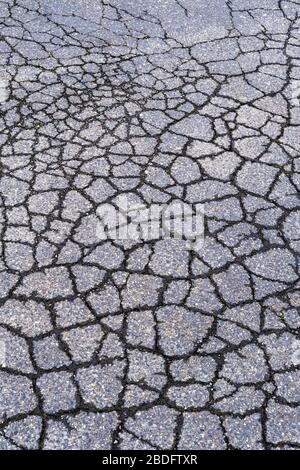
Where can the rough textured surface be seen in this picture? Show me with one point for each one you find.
(137, 345)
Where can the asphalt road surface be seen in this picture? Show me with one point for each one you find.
(149, 344)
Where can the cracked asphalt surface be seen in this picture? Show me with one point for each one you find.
(146, 345)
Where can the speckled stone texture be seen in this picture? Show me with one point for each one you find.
(147, 345)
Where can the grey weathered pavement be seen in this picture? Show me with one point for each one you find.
(146, 345)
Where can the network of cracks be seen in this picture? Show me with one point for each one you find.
(120, 344)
